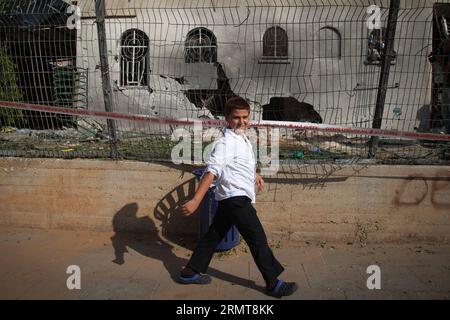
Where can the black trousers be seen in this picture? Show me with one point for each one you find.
(240, 212)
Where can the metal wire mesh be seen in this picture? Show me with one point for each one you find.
(312, 61)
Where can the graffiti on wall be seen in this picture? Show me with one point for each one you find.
(414, 190)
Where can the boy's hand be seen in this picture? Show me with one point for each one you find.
(190, 207)
(259, 182)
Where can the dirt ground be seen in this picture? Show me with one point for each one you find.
(36, 264)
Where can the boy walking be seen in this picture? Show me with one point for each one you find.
(233, 165)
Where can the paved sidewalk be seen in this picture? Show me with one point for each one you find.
(34, 263)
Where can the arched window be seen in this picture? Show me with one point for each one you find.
(328, 44)
(134, 61)
(200, 46)
(275, 43)
(376, 42)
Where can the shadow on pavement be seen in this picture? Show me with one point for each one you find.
(141, 235)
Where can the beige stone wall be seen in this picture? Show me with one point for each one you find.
(345, 203)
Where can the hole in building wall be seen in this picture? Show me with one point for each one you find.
(290, 109)
(213, 100)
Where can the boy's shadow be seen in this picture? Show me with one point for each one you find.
(141, 235)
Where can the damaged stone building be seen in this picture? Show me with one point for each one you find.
(294, 60)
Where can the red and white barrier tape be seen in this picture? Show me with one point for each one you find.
(213, 122)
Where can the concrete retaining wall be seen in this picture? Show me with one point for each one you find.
(349, 203)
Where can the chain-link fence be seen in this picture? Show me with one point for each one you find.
(365, 64)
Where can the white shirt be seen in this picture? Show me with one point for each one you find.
(233, 163)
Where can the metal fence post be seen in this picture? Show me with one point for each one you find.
(100, 13)
(384, 75)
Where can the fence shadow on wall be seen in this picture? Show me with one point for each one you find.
(176, 227)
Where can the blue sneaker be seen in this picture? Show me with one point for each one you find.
(195, 279)
(282, 289)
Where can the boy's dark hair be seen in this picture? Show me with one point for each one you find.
(234, 103)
